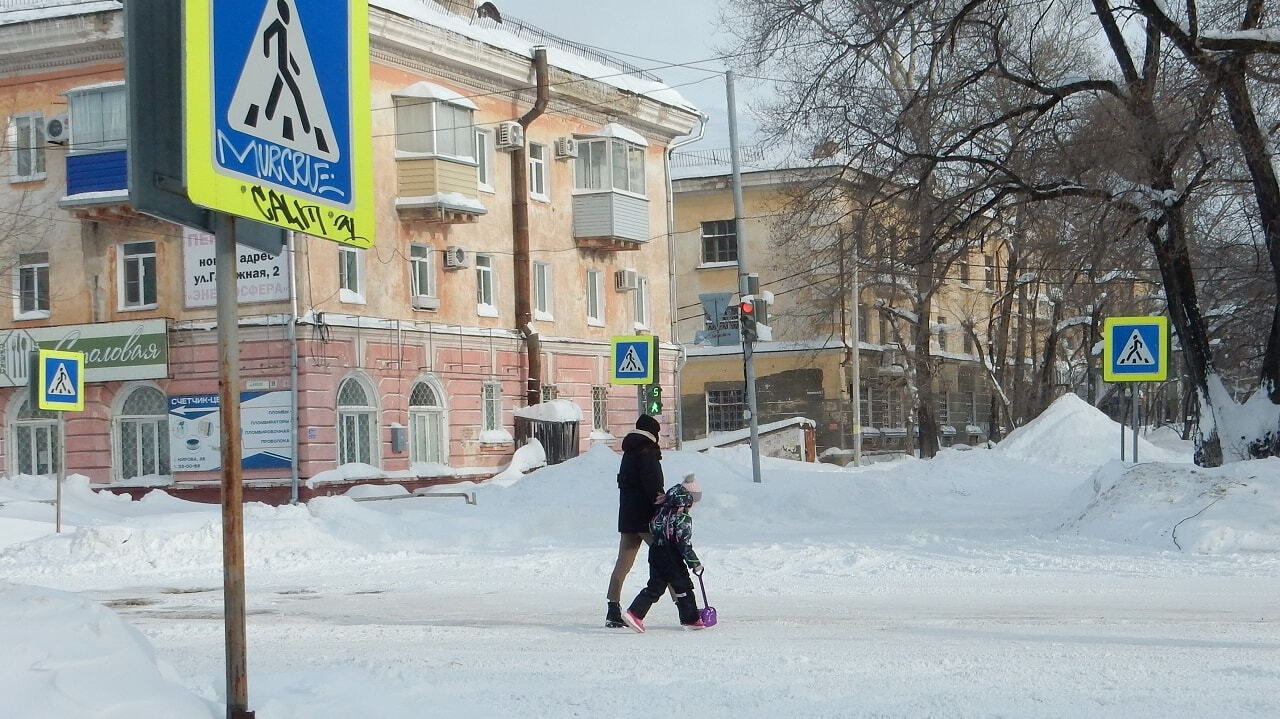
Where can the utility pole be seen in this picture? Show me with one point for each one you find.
(748, 366)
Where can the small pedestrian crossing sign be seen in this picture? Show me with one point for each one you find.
(60, 380)
(278, 123)
(635, 359)
(1135, 349)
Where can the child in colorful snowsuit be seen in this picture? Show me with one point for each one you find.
(671, 551)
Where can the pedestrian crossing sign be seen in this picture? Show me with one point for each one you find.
(60, 380)
(278, 114)
(1136, 349)
(635, 359)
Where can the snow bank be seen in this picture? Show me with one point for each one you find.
(67, 657)
(1073, 433)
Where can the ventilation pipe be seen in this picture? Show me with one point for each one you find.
(520, 231)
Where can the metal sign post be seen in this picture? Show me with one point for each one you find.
(1135, 350)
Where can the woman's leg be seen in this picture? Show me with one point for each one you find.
(628, 546)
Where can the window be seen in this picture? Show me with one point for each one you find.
(886, 336)
(964, 272)
(549, 392)
(865, 403)
(486, 286)
(600, 408)
(968, 343)
(989, 270)
(422, 272)
(138, 275)
(942, 333)
(724, 409)
(142, 434)
(435, 127)
(642, 302)
(35, 441)
(426, 426)
(350, 274)
(98, 119)
(538, 172)
(595, 297)
(944, 408)
(610, 164)
(863, 321)
(719, 241)
(491, 400)
(26, 137)
(484, 159)
(33, 285)
(356, 414)
(728, 320)
(542, 291)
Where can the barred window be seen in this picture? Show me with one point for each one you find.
(143, 434)
(600, 408)
(725, 408)
(355, 423)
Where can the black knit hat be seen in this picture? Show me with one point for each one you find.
(648, 424)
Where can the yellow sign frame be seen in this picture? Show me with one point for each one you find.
(42, 381)
(1157, 323)
(650, 375)
(215, 187)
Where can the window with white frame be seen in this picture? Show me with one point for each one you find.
(98, 119)
(486, 286)
(724, 409)
(484, 159)
(34, 440)
(719, 241)
(600, 408)
(357, 431)
(491, 400)
(426, 426)
(33, 285)
(538, 172)
(944, 407)
(942, 332)
(595, 298)
(642, 302)
(137, 275)
(422, 271)
(865, 405)
(350, 274)
(609, 163)
(142, 434)
(26, 137)
(542, 291)
(435, 127)
(989, 272)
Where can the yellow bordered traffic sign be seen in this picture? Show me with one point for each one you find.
(278, 117)
(1135, 349)
(634, 359)
(60, 380)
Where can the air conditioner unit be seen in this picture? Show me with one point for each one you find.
(624, 280)
(455, 257)
(566, 147)
(58, 129)
(426, 302)
(510, 136)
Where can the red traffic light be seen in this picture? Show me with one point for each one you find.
(746, 307)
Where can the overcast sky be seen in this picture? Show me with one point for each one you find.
(654, 35)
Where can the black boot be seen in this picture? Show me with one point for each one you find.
(688, 609)
(613, 616)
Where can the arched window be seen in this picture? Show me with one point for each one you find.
(34, 440)
(142, 437)
(426, 426)
(356, 425)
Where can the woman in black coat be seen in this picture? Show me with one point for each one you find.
(640, 485)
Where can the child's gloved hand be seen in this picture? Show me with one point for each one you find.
(697, 570)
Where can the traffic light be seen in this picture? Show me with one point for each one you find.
(653, 400)
(747, 318)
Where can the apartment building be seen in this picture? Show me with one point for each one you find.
(405, 361)
(805, 253)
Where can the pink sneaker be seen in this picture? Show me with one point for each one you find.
(633, 621)
(694, 625)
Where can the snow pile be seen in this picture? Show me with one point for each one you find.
(65, 656)
(1233, 508)
(1073, 433)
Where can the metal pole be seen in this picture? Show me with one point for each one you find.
(62, 467)
(1122, 420)
(748, 365)
(856, 359)
(232, 479)
(1135, 424)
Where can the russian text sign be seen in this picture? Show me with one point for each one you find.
(278, 117)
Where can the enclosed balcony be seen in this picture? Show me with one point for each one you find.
(610, 202)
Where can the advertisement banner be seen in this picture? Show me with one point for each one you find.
(260, 276)
(112, 350)
(195, 431)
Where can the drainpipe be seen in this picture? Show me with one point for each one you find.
(671, 270)
(293, 367)
(520, 232)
